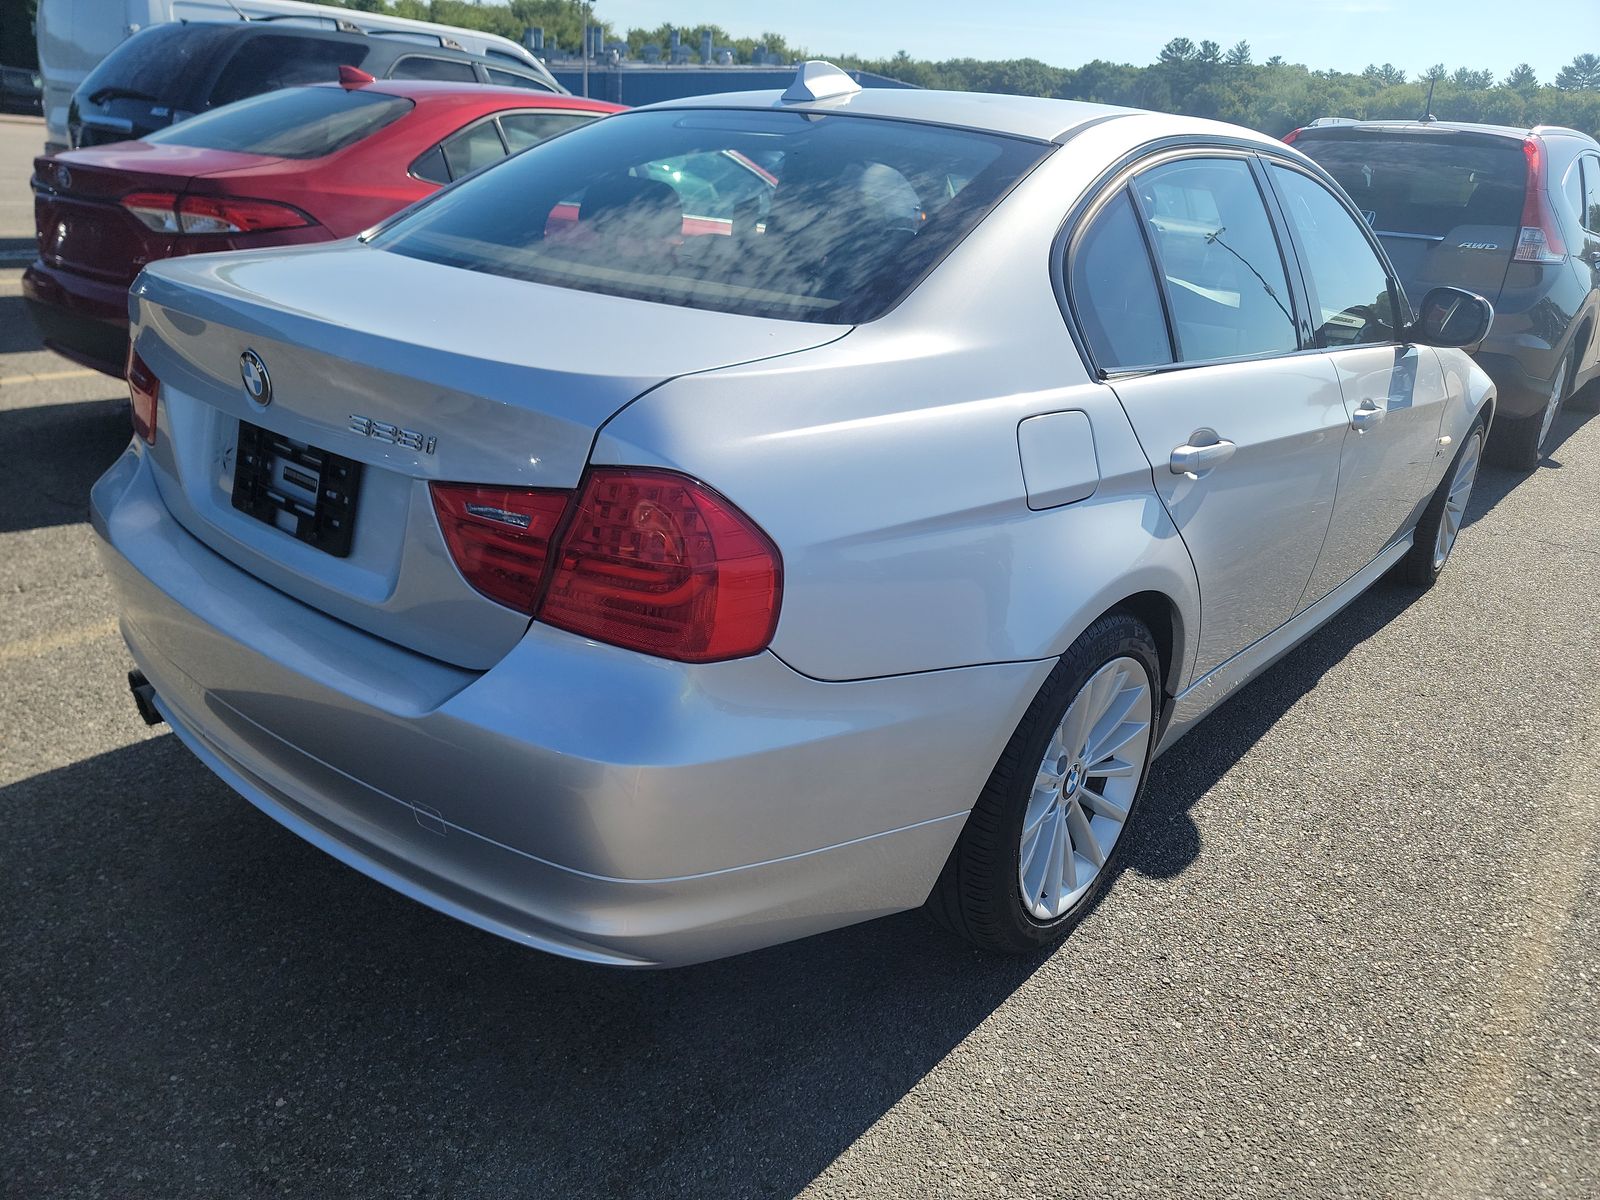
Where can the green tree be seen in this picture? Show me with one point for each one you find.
(1209, 53)
(1435, 72)
(1275, 61)
(1581, 74)
(1472, 81)
(1178, 50)
(1238, 54)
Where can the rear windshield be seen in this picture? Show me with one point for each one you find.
(801, 216)
(294, 123)
(165, 64)
(1405, 183)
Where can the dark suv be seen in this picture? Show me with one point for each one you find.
(1513, 214)
(167, 72)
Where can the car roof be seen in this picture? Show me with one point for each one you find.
(1519, 132)
(1020, 116)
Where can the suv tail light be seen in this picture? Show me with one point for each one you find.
(649, 560)
(144, 392)
(1540, 238)
(1288, 138)
(168, 212)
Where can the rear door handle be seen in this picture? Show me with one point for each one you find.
(1193, 460)
(1367, 414)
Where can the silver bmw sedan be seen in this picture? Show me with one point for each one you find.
(754, 514)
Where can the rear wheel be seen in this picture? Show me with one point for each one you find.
(1043, 839)
(1521, 442)
(1441, 520)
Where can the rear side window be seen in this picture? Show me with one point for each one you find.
(1114, 291)
(474, 147)
(1349, 286)
(857, 211)
(529, 129)
(447, 70)
(1591, 193)
(272, 61)
(1404, 183)
(1220, 267)
(294, 123)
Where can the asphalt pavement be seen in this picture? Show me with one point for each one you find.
(1353, 951)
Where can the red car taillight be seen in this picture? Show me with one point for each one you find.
(144, 392)
(1539, 240)
(167, 212)
(649, 560)
(500, 537)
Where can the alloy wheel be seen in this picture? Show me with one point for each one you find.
(1084, 788)
(1552, 405)
(1455, 500)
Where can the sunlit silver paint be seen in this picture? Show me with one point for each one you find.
(611, 806)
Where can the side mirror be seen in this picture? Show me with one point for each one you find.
(1452, 317)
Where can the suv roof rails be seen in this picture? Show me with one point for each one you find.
(340, 24)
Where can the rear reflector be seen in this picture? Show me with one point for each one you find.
(500, 537)
(1539, 240)
(144, 393)
(655, 562)
(167, 212)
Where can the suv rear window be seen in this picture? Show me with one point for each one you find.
(1408, 183)
(271, 61)
(305, 122)
(165, 64)
(838, 217)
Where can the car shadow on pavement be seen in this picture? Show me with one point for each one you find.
(17, 332)
(53, 455)
(203, 1002)
(1495, 483)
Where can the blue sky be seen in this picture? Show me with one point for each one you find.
(1342, 34)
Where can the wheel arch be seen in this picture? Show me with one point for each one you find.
(1160, 614)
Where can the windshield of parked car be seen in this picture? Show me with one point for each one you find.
(826, 218)
(295, 123)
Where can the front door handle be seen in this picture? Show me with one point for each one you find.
(1194, 460)
(1367, 414)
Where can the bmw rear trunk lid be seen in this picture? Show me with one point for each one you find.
(415, 372)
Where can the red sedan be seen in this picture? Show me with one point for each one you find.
(304, 164)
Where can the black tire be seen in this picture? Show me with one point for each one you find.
(1417, 568)
(977, 896)
(1516, 442)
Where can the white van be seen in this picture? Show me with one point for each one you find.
(74, 35)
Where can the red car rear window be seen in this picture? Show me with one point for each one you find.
(306, 122)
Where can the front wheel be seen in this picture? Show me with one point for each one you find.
(1044, 836)
(1441, 520)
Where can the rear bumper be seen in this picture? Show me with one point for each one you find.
(82, 319)
(576, 798)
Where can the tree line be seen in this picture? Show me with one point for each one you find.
(1201, 79)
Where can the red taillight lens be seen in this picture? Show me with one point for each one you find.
(167, 212)
(1288, 138)
(144, 391)
(155, 210)
(224, 214)
(1539, 240)
(500, 537)
(654, 561)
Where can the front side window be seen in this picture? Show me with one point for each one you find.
(1351, 299)
(272, 61)
(1220, 266)
(1114, 291)
(302, 122)
(832, 218)
(530, 128)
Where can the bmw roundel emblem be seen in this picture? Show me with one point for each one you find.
(256, 380)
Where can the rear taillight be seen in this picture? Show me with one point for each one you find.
(1288, 138)
(649, 560)
(167, 212)
(500, 537)
(654, 561)
(144, 392)
(1539, 240)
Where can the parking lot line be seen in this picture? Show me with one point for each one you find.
(38, 647)
(48, 376)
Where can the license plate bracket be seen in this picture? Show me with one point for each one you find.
(308, 493)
